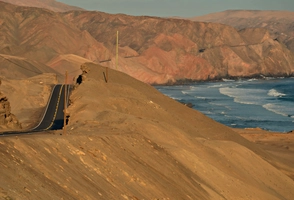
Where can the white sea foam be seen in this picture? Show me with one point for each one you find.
(187, 92)
(244, 96)
(275, 93)
(204, 98)
(215, 86)
(171, 96)
(276, 109)
(227, 80)
(252, 79)
(272, 103)
(193, 88)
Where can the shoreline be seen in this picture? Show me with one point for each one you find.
(222, 79)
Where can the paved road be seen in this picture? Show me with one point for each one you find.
(53, 118)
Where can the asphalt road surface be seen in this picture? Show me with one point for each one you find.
(53, 118)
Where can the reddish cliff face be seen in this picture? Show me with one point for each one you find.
(280, 24)
(153, 50)
(168, 50)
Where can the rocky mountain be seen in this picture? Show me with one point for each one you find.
(280, 24)
(168, 50)
(34, 36)
(151, 49)
(48, 4)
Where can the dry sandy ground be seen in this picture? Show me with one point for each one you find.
(126, 140)
(279, 145)
(28, 97)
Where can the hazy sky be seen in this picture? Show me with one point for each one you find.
(182, 8)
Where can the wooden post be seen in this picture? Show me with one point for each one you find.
(116, 50)
(65, 104)
(106, 76)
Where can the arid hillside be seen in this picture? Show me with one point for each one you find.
(13, 67)
(153, 50)
(280, 24)
(126, 140)
(48, 4)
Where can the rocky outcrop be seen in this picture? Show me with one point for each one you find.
(7, 119)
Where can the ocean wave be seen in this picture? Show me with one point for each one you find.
(276, 109)
(244, 96)
(204, 98)
(188, 93)
(275, 93)
(252, 79)
(228, 80)
(215, 86)
(172, 97)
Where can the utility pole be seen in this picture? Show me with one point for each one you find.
(116, 49)
(106, 75)
(65, 104)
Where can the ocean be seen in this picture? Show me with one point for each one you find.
(246, 103)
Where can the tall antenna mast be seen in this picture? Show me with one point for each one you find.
(116, 49)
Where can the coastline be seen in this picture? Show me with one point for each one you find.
(223, 79)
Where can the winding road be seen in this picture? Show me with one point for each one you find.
(53, 118)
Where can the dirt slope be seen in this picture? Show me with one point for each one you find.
(126, 140)
(48, 4)
(28, 97)
(13, 67)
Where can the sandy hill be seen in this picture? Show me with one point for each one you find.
(279, 23)
(70, 64)
(38, 38)
(13, 67)
(48, 4)
(151, 49)
(29, 96)
(126, 140)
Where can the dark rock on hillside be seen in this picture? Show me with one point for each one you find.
(7, 119)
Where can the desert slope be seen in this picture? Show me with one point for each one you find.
(48, 4)
(14, 67)
(126, 140)
(42, 35)
(28, 97)
(151, 49)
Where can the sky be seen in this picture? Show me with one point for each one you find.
(180, 8)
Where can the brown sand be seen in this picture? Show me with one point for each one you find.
(279, 145)
(126, 140)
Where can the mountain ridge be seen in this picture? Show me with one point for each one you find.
(278, 23)
(47, 4)
(152, 49)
